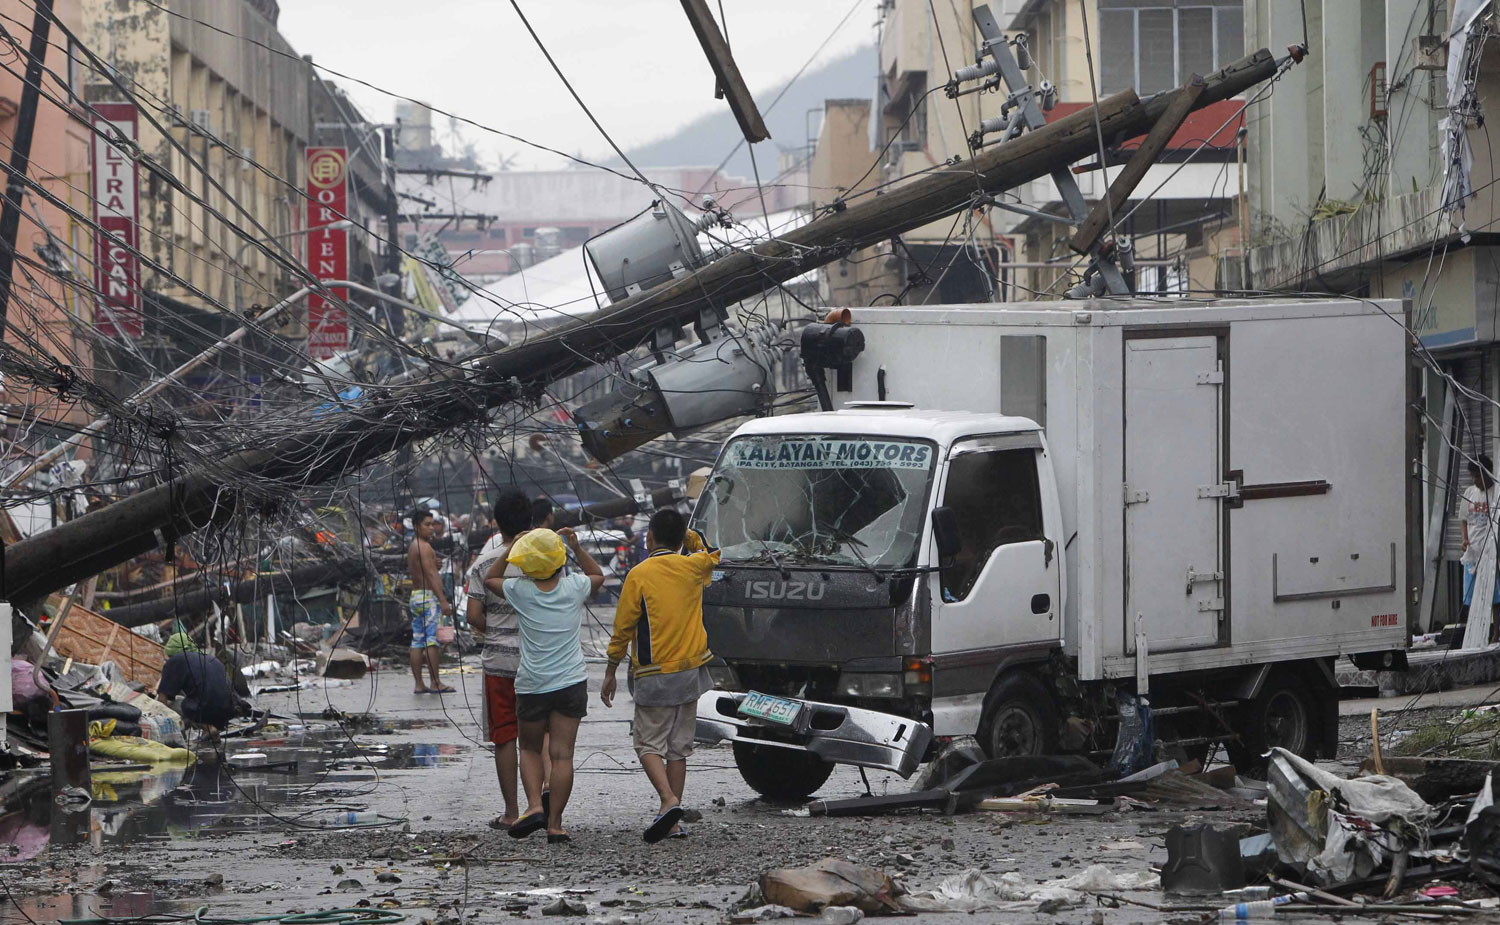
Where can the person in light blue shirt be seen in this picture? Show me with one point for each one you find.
(551, 682)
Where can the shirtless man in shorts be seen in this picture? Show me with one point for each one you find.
(428, 602)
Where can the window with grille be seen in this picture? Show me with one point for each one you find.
(1155, 46)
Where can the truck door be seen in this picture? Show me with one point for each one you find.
(1174, 572)
(1003, 588)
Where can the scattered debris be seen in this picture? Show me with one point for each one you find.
(343, 663)
(974, 891)
(1338, 829)
(762, 914)
(565, 906)
(831, 882)
(1202, 859)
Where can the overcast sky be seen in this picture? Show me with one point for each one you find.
(636, 63)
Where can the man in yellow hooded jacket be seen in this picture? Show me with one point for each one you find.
(660, 618)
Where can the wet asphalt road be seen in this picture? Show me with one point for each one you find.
(269, 867)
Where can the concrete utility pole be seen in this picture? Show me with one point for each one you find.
(420, 407)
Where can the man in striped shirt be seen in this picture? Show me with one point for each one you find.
(495, 618)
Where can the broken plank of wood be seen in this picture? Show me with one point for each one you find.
(1135, 170)
(1046, 804)
(726, 72)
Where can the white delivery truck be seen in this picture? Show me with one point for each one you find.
(1018, 513)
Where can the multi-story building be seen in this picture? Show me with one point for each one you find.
(1359, 162)
(1183, 218)
(222, 101)
(520, 217)
(842, 168)
(1186, 217)
(54, 264)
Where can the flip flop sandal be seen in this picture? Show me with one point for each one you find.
(555, 839)
(662, 826)
(680, 832)
(495, 823)
(547, 802)
(528, 824)
(444, 690)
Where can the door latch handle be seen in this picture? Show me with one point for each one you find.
(1193, 577)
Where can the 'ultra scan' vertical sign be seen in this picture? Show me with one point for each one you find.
(327, 249)
(117, 262)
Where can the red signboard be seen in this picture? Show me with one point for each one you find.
(116, 194)
(327, 249)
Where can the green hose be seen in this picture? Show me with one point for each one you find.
(356, 916)
(351, 916)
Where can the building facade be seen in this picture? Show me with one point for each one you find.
(1180, 234)
(1372, 173)
(223, 102)
(53, 273)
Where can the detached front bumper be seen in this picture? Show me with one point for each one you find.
(838, 734)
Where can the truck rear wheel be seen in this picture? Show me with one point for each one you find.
(1282, 715)
(1019, 719)
(780, 773)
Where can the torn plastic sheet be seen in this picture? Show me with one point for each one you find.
(1338, 829)
(1465, 45)
(972, 890)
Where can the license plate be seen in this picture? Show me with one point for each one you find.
(771, 709)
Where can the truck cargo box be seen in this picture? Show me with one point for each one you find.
(1235, 474)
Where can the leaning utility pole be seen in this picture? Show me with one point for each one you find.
(20, 151)
(414, 409)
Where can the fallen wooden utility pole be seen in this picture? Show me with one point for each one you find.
(242, 591)
(416, 409)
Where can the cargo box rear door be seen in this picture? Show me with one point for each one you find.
(1174, 574)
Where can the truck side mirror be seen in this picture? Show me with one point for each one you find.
(945, 531)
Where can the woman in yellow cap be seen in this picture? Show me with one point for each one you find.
(551, 682)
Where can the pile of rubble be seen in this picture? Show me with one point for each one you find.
(1404, 836)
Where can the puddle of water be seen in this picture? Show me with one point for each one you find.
(315, 780)
(122, 904)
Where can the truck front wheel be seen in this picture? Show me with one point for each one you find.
(1019, 719)
(780, 773)
(1282, 715)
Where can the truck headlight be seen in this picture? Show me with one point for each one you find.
(871, 684)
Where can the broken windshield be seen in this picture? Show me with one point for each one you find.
(836, 500)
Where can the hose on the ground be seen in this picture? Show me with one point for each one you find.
(349, 916)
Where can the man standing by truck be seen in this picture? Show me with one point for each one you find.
(1480, 507)
(661, 613)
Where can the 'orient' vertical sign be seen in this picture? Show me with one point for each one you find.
(117, 264)
(327, 249)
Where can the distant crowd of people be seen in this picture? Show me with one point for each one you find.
(528, 604)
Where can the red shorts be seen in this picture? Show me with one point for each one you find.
(500, 708)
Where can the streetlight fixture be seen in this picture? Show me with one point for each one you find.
(342, 224)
